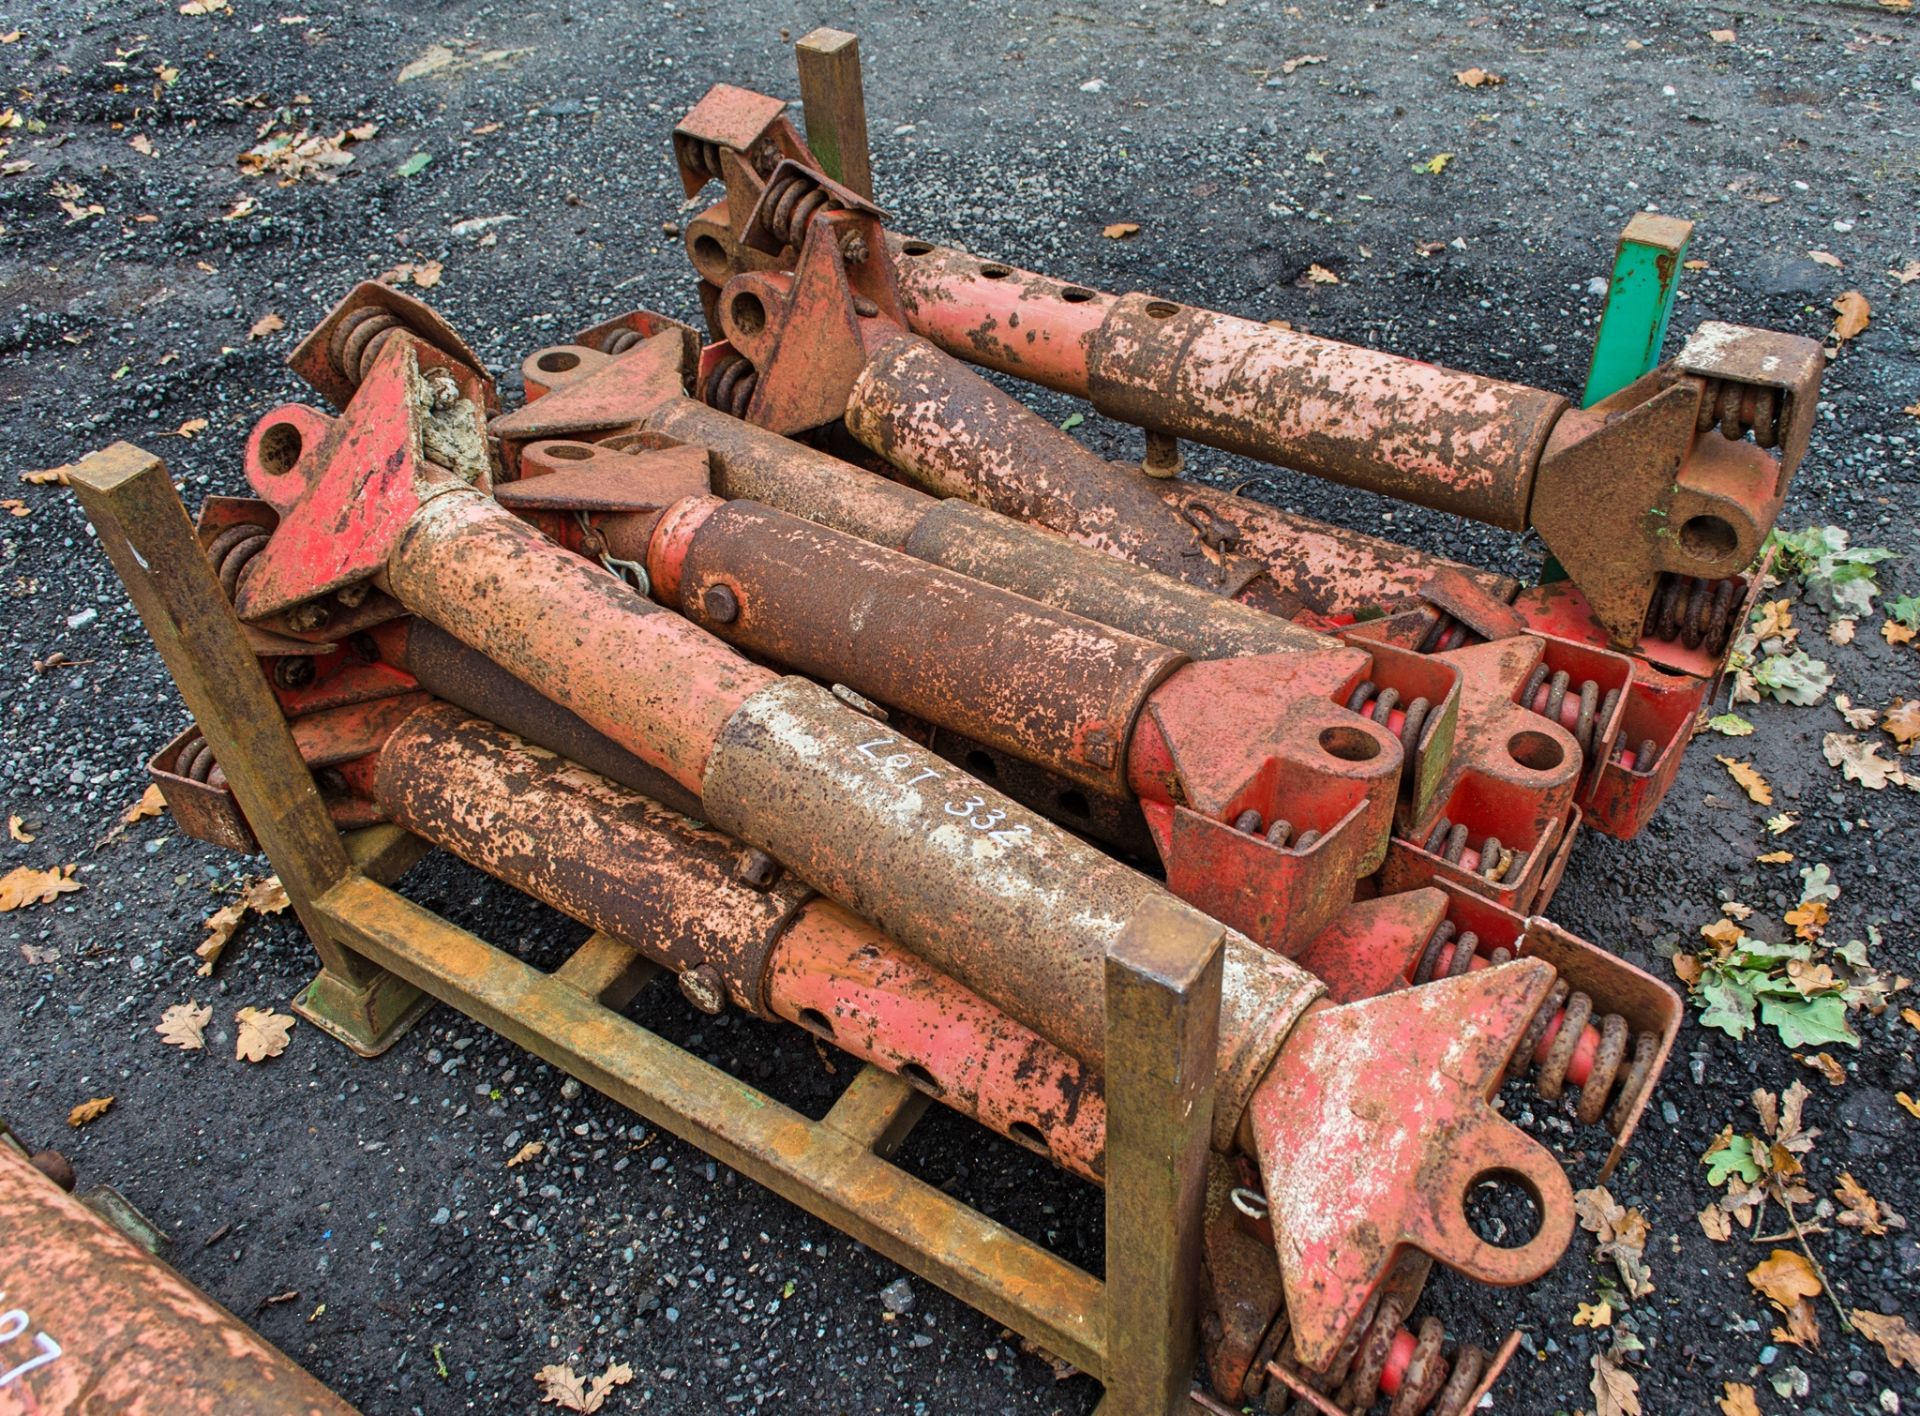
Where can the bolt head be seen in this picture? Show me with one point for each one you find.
(721, 604)
(701, 987)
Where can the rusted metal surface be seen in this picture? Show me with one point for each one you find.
(1049, 568)
(598, 852)
(450, 670)
(93, 1323)
(1037, 682)
(1446, 1078)
(1416, 432)
(336, 356)
(867, 996)
(638, 673)
(956, 435)
(972, 882)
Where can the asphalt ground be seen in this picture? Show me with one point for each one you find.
(427, 1275)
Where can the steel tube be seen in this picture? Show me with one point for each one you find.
(1044, 685)
(1414, 431)
(637, 672)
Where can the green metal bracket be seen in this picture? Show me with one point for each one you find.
(1633, 326)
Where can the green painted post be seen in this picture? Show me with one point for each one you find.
(1633, 326)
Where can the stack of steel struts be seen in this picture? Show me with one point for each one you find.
(830, 677)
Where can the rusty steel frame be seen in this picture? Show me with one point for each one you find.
(1163, 999)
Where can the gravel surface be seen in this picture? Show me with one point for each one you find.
(428, 1276)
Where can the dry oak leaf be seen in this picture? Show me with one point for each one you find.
(1903, 721)
(1737, 1400)
(1851, 315)
(1841, 631)
(1749, 780)
(190, 427)
(1477, 78)
(1622, 1236)
(1320, 275)
(1775, 858)
(23, 886)
(1856, 717)
(1910, 1018)
(1860, 761)
(89, 1111)
(48, 476)
(1722, 36)
(260, 897)
(1895, 633)
(1860, 1210)
(1908, 1104)
(151, 803)
(267, 324)
(526, 1153)
(1826, 1064)
(1907, 273)
(1785, 1276)
(263, 1034)
(1803, 1327)
(17, 831)
(1615, 1392)
(1593, 1315)
(427, 274)
(563, 1389)
(1808, 918)
(1715, 1224)
(1896, 1339)
(1825, 258)
(184, 1026)
(1120, 230)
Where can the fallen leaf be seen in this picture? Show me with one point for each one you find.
(1730, 725)
(1737, 1399)
(23, 886)
(1851, 315)
(1896, 633)
(414, 165)
(1593, 1315)
(1477, 78)
(263, 1034)
(184, 1026)
(48, 476)
(1622, 1236)
(1715, 1224)
(1910, 1018)
(259, 897)
(1860, 1210)
(526, 1153)
(1775, 858)
(1802, 1328)
(89, 1111)
(1896, 1339)
(1841, 631)
(141, 144)
(1722, 36)
(1785, 1277)
(17, 831)
(1808, 919)
(1320, 275)
(427, 274)
(1687, 969)
(1825, 258)
(151, 803)
(1907, 273)
(14, 506)
(267, 324)
(191, 428)
(1435, 164)
(1120, 230)
(1828, 1066)
(484, 129)
(1615, 1391)
(436, 58)
(243, 207)
(563, 1389)
(1856, 717)
(1908, 1104)
(1860, 761)
(1748, 779)
(205, 7)
(1300, 61)
(1697, 265)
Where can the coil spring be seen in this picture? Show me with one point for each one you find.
(233, 550)
(1698, 613)
(195, 761)
(619, 341)
(698, 155)
(1445, 633)
(1276, 833)
(1738, 409)
(1546, 694)
(1451, 952)
(1448, 840)
(358, 337)
(1640, 759)
(731, 384)
(1372, 701)
(1424, 1383)
(790, 206)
